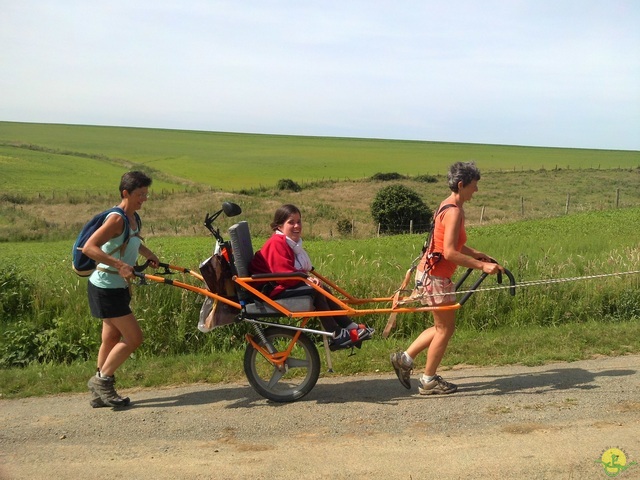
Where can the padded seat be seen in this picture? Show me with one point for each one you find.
(242, 250)
(294, 304)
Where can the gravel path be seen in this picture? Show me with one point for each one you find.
(548, 422)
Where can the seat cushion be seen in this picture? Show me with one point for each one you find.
(240, 239)
(293, 304)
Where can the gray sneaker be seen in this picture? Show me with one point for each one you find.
(437, 386)
(96, 401)
(104, 393)
(403, 371)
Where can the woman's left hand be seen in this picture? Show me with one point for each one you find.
(483, 257)
(153, 260)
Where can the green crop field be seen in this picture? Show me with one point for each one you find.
(235, 162)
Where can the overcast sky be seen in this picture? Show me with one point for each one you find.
(521, 72)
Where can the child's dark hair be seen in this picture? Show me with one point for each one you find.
(282, 214)
(132, 180)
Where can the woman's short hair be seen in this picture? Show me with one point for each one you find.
(282, 214)
(464, 172)
(132, 180)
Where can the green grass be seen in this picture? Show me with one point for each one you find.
(545, 322)
(29, 172)
(505, 346)
(518, 217)
(239, 161)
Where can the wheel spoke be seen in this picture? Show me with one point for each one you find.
(275, 377)
(297, 362)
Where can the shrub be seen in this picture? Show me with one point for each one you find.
(425, 178)
(344, 226)
(15, 294)
(395, 206)
(14, 198)
(288, 184)
(385, 177)
(25, 343)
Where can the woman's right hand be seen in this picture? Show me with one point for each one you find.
(492, 268)
(125, 270)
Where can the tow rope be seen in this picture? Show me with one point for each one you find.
(417, 296)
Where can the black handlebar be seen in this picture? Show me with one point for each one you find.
(230, 209)
(512, 282)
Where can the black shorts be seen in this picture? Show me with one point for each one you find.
(108, 302)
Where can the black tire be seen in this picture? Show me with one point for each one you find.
(301, 372)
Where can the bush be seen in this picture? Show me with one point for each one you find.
(288, 184)
(25, 343)
(344, 226)
(395, 206)
(425, 178)
(15, 294)
(385, 177)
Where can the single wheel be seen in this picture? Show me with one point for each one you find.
(298, 375)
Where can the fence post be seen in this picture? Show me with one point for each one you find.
(522, 206)
(566, 208)
(410, 227)
(378, 234)
(617, 197)
(482, 214)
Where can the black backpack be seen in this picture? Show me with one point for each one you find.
(83, 265)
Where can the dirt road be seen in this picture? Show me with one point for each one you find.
(551, 422)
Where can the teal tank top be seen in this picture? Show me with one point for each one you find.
(112, 279)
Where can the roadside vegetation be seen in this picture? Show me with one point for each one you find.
(543, 223)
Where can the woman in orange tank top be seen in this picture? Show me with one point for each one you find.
(433, 278)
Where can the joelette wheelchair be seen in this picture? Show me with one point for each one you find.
(281, 360)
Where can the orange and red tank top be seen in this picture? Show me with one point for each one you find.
(443, 267)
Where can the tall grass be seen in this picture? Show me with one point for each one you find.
(56, 327)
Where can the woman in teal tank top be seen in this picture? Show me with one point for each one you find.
(108, 288)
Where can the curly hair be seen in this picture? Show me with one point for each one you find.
(464, 172)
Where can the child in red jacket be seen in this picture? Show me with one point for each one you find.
(283, 253)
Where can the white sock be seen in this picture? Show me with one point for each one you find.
(427, 378)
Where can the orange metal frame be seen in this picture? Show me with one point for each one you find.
(278, 359)
(248, 284)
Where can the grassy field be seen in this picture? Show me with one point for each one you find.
(233, 162)
(55, 177)
(503, 197)
(582, 316)
(545, 213)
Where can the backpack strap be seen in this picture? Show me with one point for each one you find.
(428, 243)
(127, 236)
